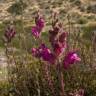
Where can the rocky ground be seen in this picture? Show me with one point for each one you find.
(76, 8)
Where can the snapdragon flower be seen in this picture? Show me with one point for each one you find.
(58, 48)
(70, 58)
(37, 29)
(43, 52)
(40, 23)
(9, 33)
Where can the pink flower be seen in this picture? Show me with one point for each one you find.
(9, 33)
(40, 23)
(35, 31)
(71, 58)
(58, 48)
(44, 53)
(47, 55)
(34, 51)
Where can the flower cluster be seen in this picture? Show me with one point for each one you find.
(9, 33)
(57, 38)
(39, 21)
(44, 53)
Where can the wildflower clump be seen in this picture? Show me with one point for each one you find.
(9, 34)
(58, 41)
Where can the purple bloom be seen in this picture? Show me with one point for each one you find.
(40, 23)
(57, 38)
(9, 33)
(47, 55)
(71, 58)
(34, 51)
(44, 53)
(58, 48)
(35, 31)
(42, 46)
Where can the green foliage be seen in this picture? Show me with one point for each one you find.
(88, 30)
(2, 26)
(82, 20)
(4, 85)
